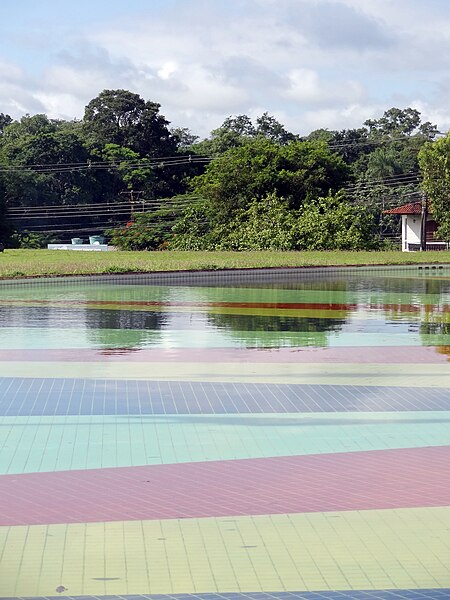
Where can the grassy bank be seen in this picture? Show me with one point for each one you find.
(25, 263)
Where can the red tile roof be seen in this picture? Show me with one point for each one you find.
(413, 208)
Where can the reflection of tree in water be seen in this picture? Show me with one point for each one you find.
(431, 319)
(34, 316)
(435, 322)
(309, 330)
(407, 299)
(443, 350)
(254, 324)
(122, 328)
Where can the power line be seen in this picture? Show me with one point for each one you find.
(151, 201)
(106, 166)
(96, 211)
(167, 161)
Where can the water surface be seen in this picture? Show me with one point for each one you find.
(243, 435)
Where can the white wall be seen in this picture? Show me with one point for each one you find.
(410, 230)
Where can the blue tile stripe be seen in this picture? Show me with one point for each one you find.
(53, 397)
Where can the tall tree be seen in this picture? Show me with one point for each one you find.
(5, 120)
(124, 118)
(273, 130)
(238, 130)
(400, 122)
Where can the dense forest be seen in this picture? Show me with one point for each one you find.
(123, 171)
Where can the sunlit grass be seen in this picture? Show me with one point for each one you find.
(24, 263)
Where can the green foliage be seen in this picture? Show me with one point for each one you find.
(238, 130)
(38, 140)
(397, 122)
(5, 120)
(183, 136)
(434, 159)
(270, 224)
(195, 228)
(135, 172)
(332, 223)
(267, 224)
(264, 188)
(124, 118)
(298, 171)
(31, 240)
(150, 230)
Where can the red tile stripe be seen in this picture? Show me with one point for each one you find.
(306, 354)
(418, 477)
(396, 308)
(125, 303)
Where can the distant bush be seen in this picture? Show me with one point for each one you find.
(329, 223)
(29, 240)
(147, 231)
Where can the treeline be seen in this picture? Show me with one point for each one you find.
(249, 185)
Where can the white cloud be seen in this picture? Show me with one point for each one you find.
(307, 88)
(10, 72)
(352, 115)
(317, 63)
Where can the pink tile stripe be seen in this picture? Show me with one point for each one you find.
(359, 355)
(418, 477)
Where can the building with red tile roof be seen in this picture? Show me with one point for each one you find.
(417, 223)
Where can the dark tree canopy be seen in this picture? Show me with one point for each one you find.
(5, 120)
(400, 122)
(238, 130)
(38, 140)
(298, 171)
(124, 118)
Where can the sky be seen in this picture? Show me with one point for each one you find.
(310, 63)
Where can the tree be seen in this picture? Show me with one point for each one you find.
(238, 130)
(434, 160)
(239, 124)
(124, 118)
(5, 228)
(332, 223)
(321, 135)
(271, 224)
(183, 137)
(353, 145)
(131, 171)
(5, 120)
(36, 146)
(399, 122)
(273, 130)
(298, 171)
(150, 230)
(234, 132)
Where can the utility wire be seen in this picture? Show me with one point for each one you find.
(164, 161)
(118, 166)
(155, 201)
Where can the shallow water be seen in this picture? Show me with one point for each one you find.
(275, 433)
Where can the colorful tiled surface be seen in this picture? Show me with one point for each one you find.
(285, 440)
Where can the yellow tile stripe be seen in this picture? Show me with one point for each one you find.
(407, 375)
(379, 549)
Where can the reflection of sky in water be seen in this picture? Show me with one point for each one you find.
(366, 311)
